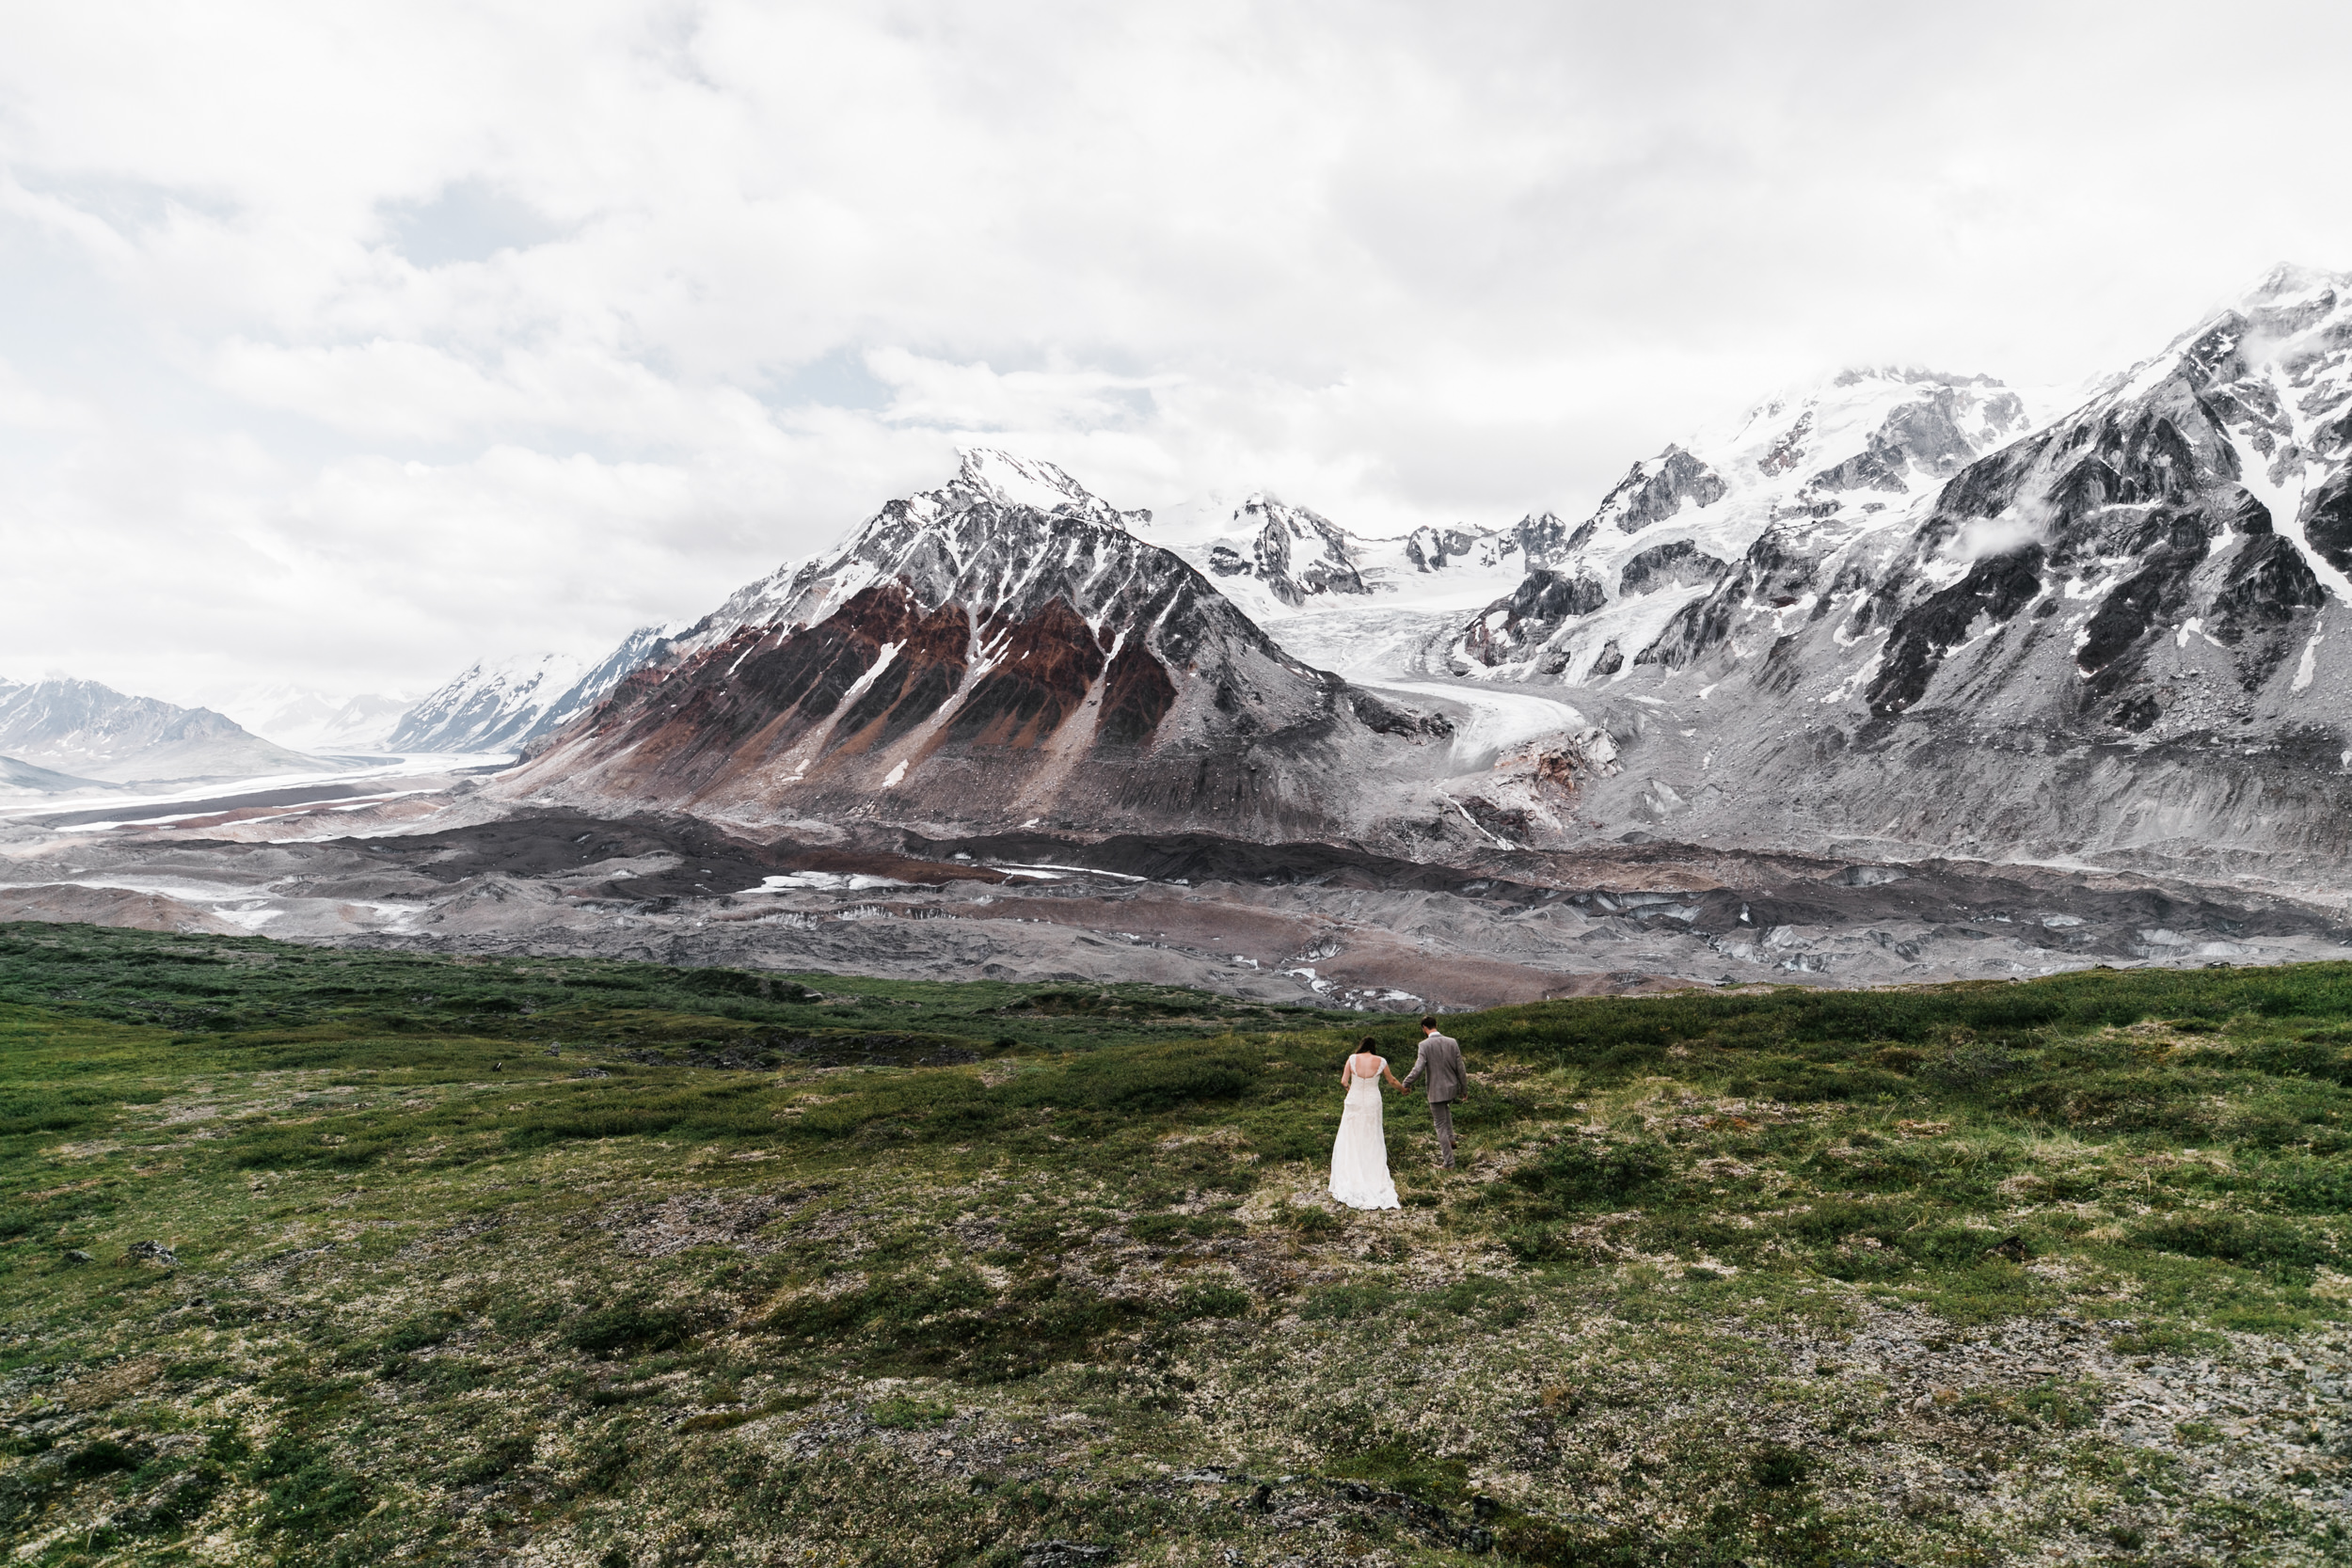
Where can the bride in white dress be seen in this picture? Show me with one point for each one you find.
(1359, 1159)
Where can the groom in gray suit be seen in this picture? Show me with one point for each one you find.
(1440, 1056)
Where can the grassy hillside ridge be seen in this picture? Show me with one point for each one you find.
(314, 1256)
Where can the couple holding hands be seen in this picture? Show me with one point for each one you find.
(1359, 1158)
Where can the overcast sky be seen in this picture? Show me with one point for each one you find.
(343, 345)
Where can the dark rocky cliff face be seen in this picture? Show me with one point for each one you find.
(998, 650)
(1543, 601)
(1659, 489)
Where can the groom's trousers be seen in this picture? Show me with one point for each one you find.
(1442, 1112)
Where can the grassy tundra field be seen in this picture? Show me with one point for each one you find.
(315, 1256)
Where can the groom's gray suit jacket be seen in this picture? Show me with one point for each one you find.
(1440, 1056)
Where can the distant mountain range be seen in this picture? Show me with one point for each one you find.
(1895, 614)
(312, 720)
(1898, 614)
(59, 734)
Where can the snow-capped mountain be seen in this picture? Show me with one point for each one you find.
(921, 535)
(1276, 560)
(2121, 635)
(93, 732)
(1858, 456)
(999, 650)
(1337, 599)
(503, 705)
(489, 706)
(1295, 553)
(314, 721)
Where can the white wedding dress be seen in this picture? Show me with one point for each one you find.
(1359, 1159)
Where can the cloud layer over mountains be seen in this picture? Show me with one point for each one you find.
(376, 346)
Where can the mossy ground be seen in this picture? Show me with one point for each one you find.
(1955, 1274)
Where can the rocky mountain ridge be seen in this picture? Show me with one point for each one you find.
(1277, 559)
(1003, 649)
(2117, 637)
(1855, 455)
(506, 704)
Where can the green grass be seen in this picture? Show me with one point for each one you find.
(466, 1253)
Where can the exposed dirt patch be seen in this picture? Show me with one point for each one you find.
(700, 1219)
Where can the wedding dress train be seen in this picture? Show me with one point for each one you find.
(1359, 1158)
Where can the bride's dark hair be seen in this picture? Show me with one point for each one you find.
(1369, 1043)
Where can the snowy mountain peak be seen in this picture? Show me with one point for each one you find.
(1003, 648)
(1539, 536)
(489, 704)
(1297, 553)
(500, 705)
(1262, 506)
(998, 506)
(1854, 453)
(1036, 485)
(1656, 488)
(1909, 375)
(2289, 282)
(2292, 317)
(522, 673)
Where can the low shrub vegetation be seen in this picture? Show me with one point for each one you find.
(315, 1256)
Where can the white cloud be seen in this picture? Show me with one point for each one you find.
(373, 339)
(977, 398)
